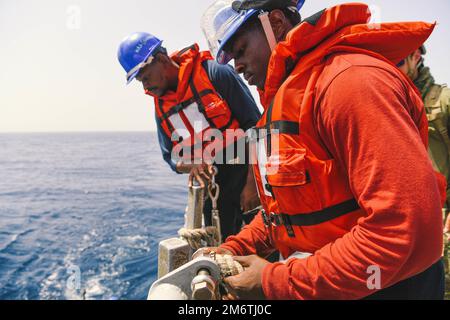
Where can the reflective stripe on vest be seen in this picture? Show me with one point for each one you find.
(262, 161)
(183, 105)
(263, 134)
(179, 127)
(196, 119)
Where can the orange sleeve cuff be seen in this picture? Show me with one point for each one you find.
(229, 248)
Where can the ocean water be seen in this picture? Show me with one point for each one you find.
(81, 215)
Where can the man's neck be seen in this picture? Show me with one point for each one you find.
(174, 70)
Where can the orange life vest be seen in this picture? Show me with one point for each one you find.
(188, 115)
(305, 194)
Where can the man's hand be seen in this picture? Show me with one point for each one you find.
(249, 196)
(184, 168)
(202, 173)
(248, 284)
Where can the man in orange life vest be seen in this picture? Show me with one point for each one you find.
(194, 96)
(349, 195)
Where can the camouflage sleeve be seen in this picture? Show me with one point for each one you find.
(445, 103)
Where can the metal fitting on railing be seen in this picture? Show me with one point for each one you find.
(203, 286)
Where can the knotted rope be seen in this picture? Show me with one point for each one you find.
(197, 238)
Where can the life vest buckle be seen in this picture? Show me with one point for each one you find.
(266, 218)
(276, 219)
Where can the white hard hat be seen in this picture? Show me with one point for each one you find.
(220, 22)
(223, 18)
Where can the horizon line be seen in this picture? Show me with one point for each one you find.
(81, 131)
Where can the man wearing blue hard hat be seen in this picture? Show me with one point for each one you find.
(349, 196)
(199, 106)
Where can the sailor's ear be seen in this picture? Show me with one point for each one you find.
(162, 58)
(280, 24)
(417, 55)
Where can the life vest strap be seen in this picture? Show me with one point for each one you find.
(278, 126)
(198, 99)
(184, 105)
(161, 110)
(269, 137)
(183, 51)
(314, 218)
(201, 107)
(281, 127)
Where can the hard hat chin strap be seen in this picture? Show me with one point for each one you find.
(264, 18)
(413, 69)
(140, 66)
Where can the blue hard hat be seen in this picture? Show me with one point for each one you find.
(221, 22)
(232, 21)
(135, 50)
(300, 4)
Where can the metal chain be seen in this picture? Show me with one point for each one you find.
(214, 191)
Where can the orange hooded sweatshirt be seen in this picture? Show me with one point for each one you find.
(370, 118)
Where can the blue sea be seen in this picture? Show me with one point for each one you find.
(81, 215)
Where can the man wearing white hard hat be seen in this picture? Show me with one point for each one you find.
(350, 198)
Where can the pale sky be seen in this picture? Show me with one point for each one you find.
(59, 69)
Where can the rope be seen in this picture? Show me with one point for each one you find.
(211, 235)
(228, 266)
(194, 237)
